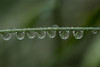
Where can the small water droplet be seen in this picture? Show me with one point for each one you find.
(64, 34)
(6, 36)
(78, 34)
(20, 35)
(51, 34)
(94, 32)
(55, 26)
(41, 34)
(31, 34)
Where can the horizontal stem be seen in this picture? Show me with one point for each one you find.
(50, 28)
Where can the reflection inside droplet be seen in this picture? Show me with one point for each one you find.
(41, 34)
(20, 35)
(78, 34)
(64, 34)
(6, 36)
(31, 34)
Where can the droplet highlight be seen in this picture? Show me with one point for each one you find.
(6, 36)
(94, 32)
(41, 34)
(31, 34)
(78, 34)
(20, 35)
(64, 34)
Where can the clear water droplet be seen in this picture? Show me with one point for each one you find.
(94, 32)
(78, 34)
(41, 34)
(31, 34)
(55, 26)
(6, 36)
(20, 35)
(51, 34)
(64, 34)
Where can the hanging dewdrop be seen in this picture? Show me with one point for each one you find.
(64, 32)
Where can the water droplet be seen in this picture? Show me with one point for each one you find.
(78, 34)
(51, 34)
(94, 32)
(6, 36)
(64, 34)
(20, 35)
(55, 26)
(41, 34)
(31, 34)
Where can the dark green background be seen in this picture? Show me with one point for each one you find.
(50, 52)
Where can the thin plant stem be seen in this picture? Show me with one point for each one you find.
(50, 28)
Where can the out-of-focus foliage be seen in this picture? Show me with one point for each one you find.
(50, 52)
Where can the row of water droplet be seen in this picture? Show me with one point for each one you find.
(41, 34)
(64, 34)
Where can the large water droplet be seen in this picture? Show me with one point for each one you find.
(78, 34)
(64, 34)
(31, 34)
(94, 32)
(41, 34)
(6, 36)
(51, 34)
(20, 35)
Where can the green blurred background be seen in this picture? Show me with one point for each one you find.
(50, 52)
